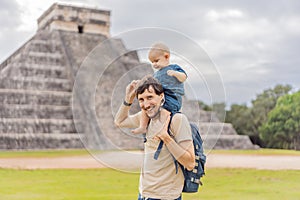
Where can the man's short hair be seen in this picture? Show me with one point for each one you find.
(148, 81)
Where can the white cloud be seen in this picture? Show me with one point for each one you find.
(214, 15)
(291, 25)
(30, 11)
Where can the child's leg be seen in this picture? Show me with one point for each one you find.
(143, 124)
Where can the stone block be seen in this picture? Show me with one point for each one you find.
(33, 97)
(23, 125)
(40, 141)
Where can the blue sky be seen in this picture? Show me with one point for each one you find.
(253, 44)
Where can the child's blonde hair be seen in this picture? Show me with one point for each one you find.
(159, 46)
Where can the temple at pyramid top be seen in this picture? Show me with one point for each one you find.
(75, 19)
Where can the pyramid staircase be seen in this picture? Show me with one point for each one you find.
(36, 84)
(35, 92)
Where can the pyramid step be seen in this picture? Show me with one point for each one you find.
(227, 142)
(40, 141)
(37, 83)
(216, 128)
(20, 68)
(20, 125)
(44, 58)
(45, 46)
(42, 35)
(15, 96)
(45, 55)
(38, 66)
(39, 41)
(43, 72)
(35, 111)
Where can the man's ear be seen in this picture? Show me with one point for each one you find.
(162, 95)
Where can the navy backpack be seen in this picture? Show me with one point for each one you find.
(192, 179)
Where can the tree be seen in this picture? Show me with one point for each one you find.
(261, 106)
(282, 129)
(238, 116)
(204, 106)
(248, 120)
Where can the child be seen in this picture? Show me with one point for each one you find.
(171, 76)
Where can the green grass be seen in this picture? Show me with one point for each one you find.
(107, 184)
(272, 152)
(236, 184)
(67, 184)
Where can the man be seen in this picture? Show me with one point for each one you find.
(159, 178)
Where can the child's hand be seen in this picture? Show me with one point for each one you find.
(171, 72)
(181, 77)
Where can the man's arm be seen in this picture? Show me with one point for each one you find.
(184, 150)
(122, 118)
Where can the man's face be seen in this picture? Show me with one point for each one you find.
(150, 102)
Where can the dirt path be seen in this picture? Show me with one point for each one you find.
(133, 160)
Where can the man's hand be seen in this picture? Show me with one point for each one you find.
(163, 130)
(130, 91)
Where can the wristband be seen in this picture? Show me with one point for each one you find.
(126, 104)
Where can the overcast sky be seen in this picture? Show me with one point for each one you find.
(255, 44)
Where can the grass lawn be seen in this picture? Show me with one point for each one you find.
(266, 152)
(107, 184)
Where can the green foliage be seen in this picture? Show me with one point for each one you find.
(204, 106)
(248, 120)
(265, 102)
(237, 117)
(282, 129)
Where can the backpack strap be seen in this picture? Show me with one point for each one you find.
(158, 150)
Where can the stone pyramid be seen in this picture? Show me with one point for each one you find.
(36, 81)
(39, 108)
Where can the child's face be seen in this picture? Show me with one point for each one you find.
(159, 59)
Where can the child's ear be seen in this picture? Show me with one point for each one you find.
(167, 56)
